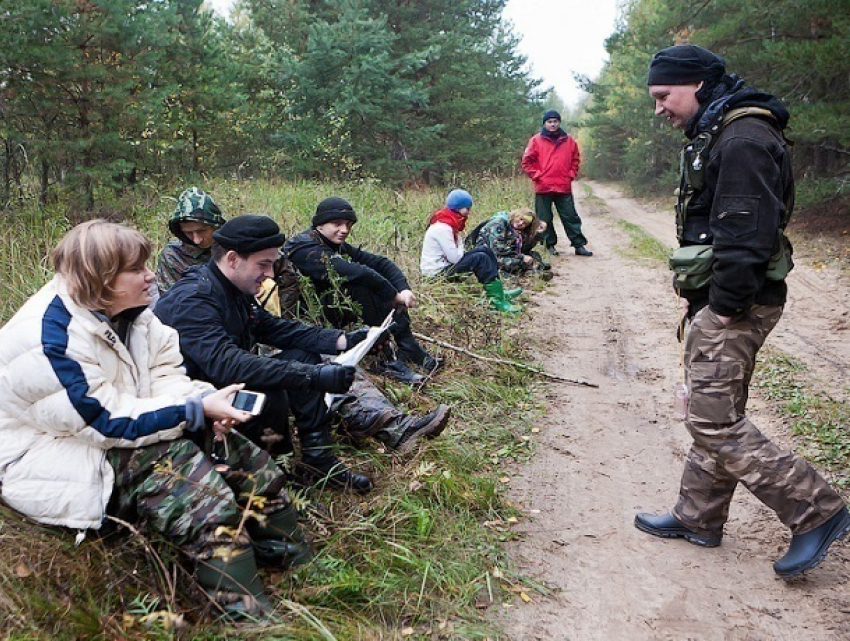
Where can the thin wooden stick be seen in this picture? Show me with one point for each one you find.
(502, 361)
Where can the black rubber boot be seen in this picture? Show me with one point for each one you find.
(233, 583)
(279, 541)
(321, 467)
(403, 434)
(387, 364)
(669, 527)
(808, 550)
(411, 351)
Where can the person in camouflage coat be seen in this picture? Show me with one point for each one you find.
(192, 223)
(512, 236)
(98, 419)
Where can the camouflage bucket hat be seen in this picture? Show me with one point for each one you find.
(194, 205)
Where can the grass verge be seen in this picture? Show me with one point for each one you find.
(817, 420)
(418, 558)
(643, 246)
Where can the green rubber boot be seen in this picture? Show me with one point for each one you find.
(279, 541)
(496, 293)
(233, 583)
(510, 294)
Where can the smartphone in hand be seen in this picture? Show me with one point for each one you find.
(251, 402)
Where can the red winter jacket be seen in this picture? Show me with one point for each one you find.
(551, 164)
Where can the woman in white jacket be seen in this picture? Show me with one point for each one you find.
(95, 410)
(443, 254)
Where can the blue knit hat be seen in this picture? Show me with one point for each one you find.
(458, 199)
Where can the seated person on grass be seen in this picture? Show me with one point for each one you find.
(192, 223)
(511, 236)
(443, 254)
(374, 282)
(215, 310)
(99, 420)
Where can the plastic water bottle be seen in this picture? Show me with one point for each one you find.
(681, 397)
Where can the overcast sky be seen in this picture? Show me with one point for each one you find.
(559, 38)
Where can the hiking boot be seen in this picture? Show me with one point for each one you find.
(583, 251)
(432, 363)
(546, 276)
(334, 475)
(403, 436)
(669, 527)
(808, 550)
(552, 251)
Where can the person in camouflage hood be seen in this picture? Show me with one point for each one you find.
(193, 221)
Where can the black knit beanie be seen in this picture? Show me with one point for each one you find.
(551, 114)
(333, 208)
(685, 64)
(249, 234)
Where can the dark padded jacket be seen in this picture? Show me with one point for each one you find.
(219, 326)
(740, 208)
(311, 253)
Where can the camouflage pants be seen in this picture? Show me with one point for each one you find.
(364, 410)
(175, 489)
(727, 447)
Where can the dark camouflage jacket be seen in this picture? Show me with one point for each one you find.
(175, 260)
(506, 242)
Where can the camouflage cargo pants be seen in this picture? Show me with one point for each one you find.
(363, 410)
(727, 447)
(174, 488)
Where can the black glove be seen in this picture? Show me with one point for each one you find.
(333, 378)
(357, 336)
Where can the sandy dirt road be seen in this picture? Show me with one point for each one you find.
(604, 454)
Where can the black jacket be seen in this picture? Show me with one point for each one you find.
(741, 207)
(219, 326)
(311, 253)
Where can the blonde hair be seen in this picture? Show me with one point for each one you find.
(91, 256)
(530, 230)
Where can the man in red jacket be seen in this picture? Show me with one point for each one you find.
(551, 159)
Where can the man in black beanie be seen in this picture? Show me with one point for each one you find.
(215, 311)
(551, 159)
(374, 282)
(736, 195)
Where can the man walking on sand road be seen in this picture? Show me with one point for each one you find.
(736, 195)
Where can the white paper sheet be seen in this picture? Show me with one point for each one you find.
(354, 355)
